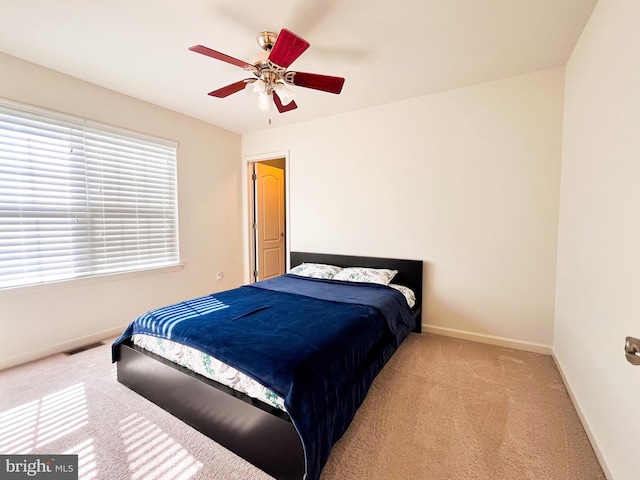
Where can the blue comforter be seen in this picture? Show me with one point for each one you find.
(318, 344)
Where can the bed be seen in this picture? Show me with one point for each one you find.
(287, 443)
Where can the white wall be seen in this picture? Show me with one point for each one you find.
(598, 279)
(466, 180)
(36, 321)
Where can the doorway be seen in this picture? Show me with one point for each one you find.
(267, 214)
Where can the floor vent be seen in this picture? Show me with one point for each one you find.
(83, 348)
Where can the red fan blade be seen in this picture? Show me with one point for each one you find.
(219, 56)
(287, 48)
(283, 108)
(233, 88)
(318, 82)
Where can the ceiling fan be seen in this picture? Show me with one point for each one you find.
(270, 69)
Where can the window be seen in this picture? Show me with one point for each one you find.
(79, 199)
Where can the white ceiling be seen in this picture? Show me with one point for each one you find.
(386, 50)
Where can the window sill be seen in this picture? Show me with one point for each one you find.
(85, 281)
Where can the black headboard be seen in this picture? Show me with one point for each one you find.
(409, 271)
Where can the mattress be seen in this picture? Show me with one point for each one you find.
(209, 367)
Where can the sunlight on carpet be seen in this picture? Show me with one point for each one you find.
(87, 466)
(152, 454)
(40, 422)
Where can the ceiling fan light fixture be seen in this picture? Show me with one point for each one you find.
(259, 87)
(264, 102)
(286, 94)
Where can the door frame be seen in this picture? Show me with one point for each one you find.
(247, 208)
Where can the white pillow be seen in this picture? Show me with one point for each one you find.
(407, 292)
(315, 270)
(381, 276)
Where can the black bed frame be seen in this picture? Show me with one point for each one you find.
(257, 432)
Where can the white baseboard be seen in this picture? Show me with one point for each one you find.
(60, 347)
(490, 339)
(585, 424)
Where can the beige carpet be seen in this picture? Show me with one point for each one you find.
(441, 409)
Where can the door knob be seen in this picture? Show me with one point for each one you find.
(631, 350)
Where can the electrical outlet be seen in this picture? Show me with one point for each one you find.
(219, 275)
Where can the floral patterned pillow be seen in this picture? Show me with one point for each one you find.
(315, 270)
(381, 276)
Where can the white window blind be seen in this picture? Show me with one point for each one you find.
(79, 199)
